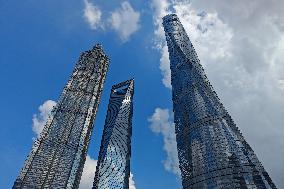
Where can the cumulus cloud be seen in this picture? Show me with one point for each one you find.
(240, 45)
(131, 182)
(165, 67)
(88, 173)
(125, 21)
(92, 14)
(162, 123)
(161, 8)
(40, 118)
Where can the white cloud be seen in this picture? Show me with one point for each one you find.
(125, 21)
(241, 46)
(161, 8)
(131, 182)
(88, 173)
(162, 123)
(40, 118)
(92, 14)
(281, 84)
(165, 67)
(211, 34)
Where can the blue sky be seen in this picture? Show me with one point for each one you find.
(240, 46)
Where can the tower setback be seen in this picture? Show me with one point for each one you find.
(212, 151)
(113, 167)
(58, 155)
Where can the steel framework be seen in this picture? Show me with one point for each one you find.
(113, 168)
(58, 155)
(212, 151)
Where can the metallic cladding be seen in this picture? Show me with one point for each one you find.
(113, 168)
(212, 151)
(58, 155)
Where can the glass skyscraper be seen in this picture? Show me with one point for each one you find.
(58, 155)
(212, 151)
(113, 167)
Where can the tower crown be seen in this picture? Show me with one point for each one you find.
(170, 23)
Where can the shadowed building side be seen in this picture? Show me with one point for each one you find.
(113, 167)
(58, 155)
(212, 151)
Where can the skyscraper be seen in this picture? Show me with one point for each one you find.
(113, 167)
(212, 151)
(58, 155)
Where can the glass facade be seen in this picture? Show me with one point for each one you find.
(113, 167)
(212, 151)
(58, 155)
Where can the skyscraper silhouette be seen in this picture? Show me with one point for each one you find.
(212, 151)
(113, 167)
(58, 155)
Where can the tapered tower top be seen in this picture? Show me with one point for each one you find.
(124, 83)
(97, 50)
(170, 23)
(170, 17)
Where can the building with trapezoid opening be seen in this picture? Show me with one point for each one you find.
(113, 167)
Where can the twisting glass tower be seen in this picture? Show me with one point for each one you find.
(212, 151)
(58, 155)
(113, 168)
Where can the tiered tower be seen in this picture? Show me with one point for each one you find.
(212, 151)
(58, 155)
(113, 168)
